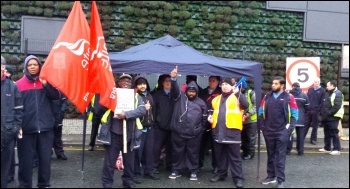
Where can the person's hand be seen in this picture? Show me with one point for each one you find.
(210, 119)
(173, 73)
(235, 90)
(120, 115)
(20, 133)
(148, 105)
(43, 81)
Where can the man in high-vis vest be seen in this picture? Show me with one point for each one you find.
(227, 125)
(331, 113)
(249, 124)
(133, 133)
(278, 114)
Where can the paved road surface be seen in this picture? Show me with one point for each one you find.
(313, 170)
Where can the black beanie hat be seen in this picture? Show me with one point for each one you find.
(141, 81)
(227, 80)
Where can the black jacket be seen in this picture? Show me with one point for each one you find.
(163, 107)
(147, 120)
(58, 109)
(11, 111)
(303, 105)
(328, 110)
(190, 116)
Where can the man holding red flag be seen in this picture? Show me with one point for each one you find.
(67, 66)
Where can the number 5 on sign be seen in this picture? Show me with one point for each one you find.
(303, 70)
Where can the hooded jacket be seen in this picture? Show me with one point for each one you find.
(189, 116)
(38, 116)
(146, 120)
(303, 105)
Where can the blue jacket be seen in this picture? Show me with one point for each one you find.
(11, 111)
(303, 105)
(37, 102)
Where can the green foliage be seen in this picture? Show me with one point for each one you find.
(234, 4)
(129, 10)
(172, 30)
(299, 52)
(184, 15)
(159, 28)
(253, 5)
(5, 25)
(196, 33)
(234, 19)
(190, 24)
(48, 12)
(336, 55)
(204, 11)
(278, 44)
(216, 43)
(275, 20)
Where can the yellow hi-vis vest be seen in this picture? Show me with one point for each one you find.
(340, 112)
(253, 117)
(91, 114)
(234, 114)
(138, 122)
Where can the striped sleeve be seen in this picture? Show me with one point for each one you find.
(293, 108)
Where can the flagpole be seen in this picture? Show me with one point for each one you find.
(124, 137)
(84, 136)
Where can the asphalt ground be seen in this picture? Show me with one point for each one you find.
(313, 170)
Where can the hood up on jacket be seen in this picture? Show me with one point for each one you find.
(192, 86)
(295, 91)
(138, 79)
(26, 72)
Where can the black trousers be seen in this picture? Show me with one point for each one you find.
(185, 152)
(276, 145)
(163, 138)
(6, 158)
(96, 121)
(228, 155)
(28, 146)
(300, 140)
(57, 143)
(311, 120)
(206, 144)
(331, 134)
(144, 155)
(110, 157)
(248, 136)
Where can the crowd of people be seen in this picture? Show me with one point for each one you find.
(183, 123)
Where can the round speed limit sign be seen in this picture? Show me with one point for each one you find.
(303, 70)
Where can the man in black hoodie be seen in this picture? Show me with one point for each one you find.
(303, 105)
(187, 125)
(144, 155)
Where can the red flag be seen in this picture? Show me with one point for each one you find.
(100, 71)
(67, 65)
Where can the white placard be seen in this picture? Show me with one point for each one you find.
(303, 70)
(125, 100)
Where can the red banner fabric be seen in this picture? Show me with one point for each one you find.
(67, 65)
(100, 71)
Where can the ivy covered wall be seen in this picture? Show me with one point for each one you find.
(230, 29)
